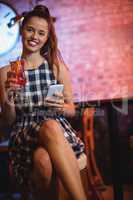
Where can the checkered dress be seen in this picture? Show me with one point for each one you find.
(30, 114)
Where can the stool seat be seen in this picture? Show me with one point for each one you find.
(82, 161)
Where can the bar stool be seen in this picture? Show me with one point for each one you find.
(88, 138)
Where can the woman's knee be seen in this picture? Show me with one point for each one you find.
(50, 131)
(42, 162)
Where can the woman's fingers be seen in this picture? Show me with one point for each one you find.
(11, 74)
(11, 81)
(11, 87)
(57, 98)
(53, 105)
(59, 95)
(11, 84)
(54, 101)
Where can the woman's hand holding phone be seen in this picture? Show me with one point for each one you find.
(55, 97)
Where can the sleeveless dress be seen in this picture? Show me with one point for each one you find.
(30, 114)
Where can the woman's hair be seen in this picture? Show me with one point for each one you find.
(49, 50)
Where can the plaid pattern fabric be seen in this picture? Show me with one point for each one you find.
(31, 113)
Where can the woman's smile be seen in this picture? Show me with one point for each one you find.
(33, 43)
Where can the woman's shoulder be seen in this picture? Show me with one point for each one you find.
(3, 71)
(59, 69)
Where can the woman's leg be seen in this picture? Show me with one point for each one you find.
(41, 176)
(63, 158)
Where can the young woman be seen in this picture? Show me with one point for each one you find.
(42, 138)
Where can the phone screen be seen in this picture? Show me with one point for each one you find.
(53, 89)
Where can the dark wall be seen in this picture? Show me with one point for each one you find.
(125, 144)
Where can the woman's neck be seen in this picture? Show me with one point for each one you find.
(32, 60)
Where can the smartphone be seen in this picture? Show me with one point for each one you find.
(57, 88)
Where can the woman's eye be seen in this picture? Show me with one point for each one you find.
(29, 29)
(42, 33)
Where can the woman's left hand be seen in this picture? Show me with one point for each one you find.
(56, 101)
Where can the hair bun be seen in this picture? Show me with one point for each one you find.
(41, 8)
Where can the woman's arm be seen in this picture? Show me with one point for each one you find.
(8, 113)
(63, 77)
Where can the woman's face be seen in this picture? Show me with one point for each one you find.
(34, 34)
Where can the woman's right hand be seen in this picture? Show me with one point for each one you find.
(8, 110)
(11, 86)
